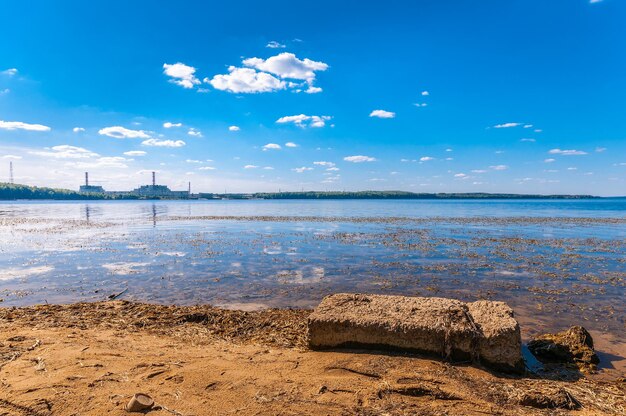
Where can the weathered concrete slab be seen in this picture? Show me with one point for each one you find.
(436, 326)
(500, 341)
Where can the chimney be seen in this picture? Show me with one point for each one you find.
(86, 178)
(153, 178)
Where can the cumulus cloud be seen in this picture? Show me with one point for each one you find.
(600, 149)
(287, 65)
(302, 120)
(479, 171)
(207, 168)
(506, 125)
(119, 132)
(234, 128)
(135, 153)
(19, 125)
(461, 175)
(195, 133)
(11, 157)
(324, 163)
(66, 152)
(271, 146)
(549, 160)
(78, 129)
(169, 125)
(246, 80)
(426, 158)
(302, 169)
(499, 167)
(359, 159)
(275, 45)
(10, 72)
(163, 143)
(181, 74)
(567, 152)
(382, 114)
(250, 167)
(425, 93)
(528, 140)
(420, 104)
(313, 90)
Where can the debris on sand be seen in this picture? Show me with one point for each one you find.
(573, 346)
(448, 328)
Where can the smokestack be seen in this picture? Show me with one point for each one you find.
(189, 191)
(11, 173)
(86, 178)
(153, 178)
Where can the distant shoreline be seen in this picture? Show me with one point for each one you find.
(11, 192)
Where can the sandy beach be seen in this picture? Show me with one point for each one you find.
(90, 358)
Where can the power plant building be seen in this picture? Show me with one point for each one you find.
(144, 191)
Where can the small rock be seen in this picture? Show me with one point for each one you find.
(573, 346)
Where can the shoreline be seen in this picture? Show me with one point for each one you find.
(91, 357)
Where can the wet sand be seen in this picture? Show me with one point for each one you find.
(90, 358)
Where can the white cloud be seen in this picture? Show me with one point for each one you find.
(302, 120)
(163, 143)
(460, 175)
(271, 146)
(169, 125)
(268, 168)
(324, 163)
(359, 159)
(181, 74)
(302, 169)
(382, 114)
(78, 129)
(250, 167)
(207, 168)
(18, 125)
(600, 149)
(290, 144)
(313, 90)
(287, 65)
(426, 159)
(195, 133)
(549, 160)
(499, 167)
(572, 168)
(193, 161)
(333, 169)
(10, 72)
(425, 93)
(528, 140)
(506, 125)
(567, 152)
(420, 104)
(234, 128)
(246, 80)
(594, 1)
(135, 153)
(5, 91)
(119, 132)
(479, 171)
(448, 150)
(275, 45)
(103, 162)
(11, 157)
(66, 152)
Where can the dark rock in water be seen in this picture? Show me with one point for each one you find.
(573, 346)
(551, 399)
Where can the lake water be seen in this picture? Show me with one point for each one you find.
(556, 262)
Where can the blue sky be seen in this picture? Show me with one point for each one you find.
(432, 96)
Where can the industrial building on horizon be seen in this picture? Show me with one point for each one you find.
(143, 191)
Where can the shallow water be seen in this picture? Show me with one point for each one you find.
(558, 263)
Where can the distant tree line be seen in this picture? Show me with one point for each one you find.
(406, 195)
(11, 192)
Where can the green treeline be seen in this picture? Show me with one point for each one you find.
(10, 192)
(405, 195)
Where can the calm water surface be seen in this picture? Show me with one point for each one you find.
(557, 263)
